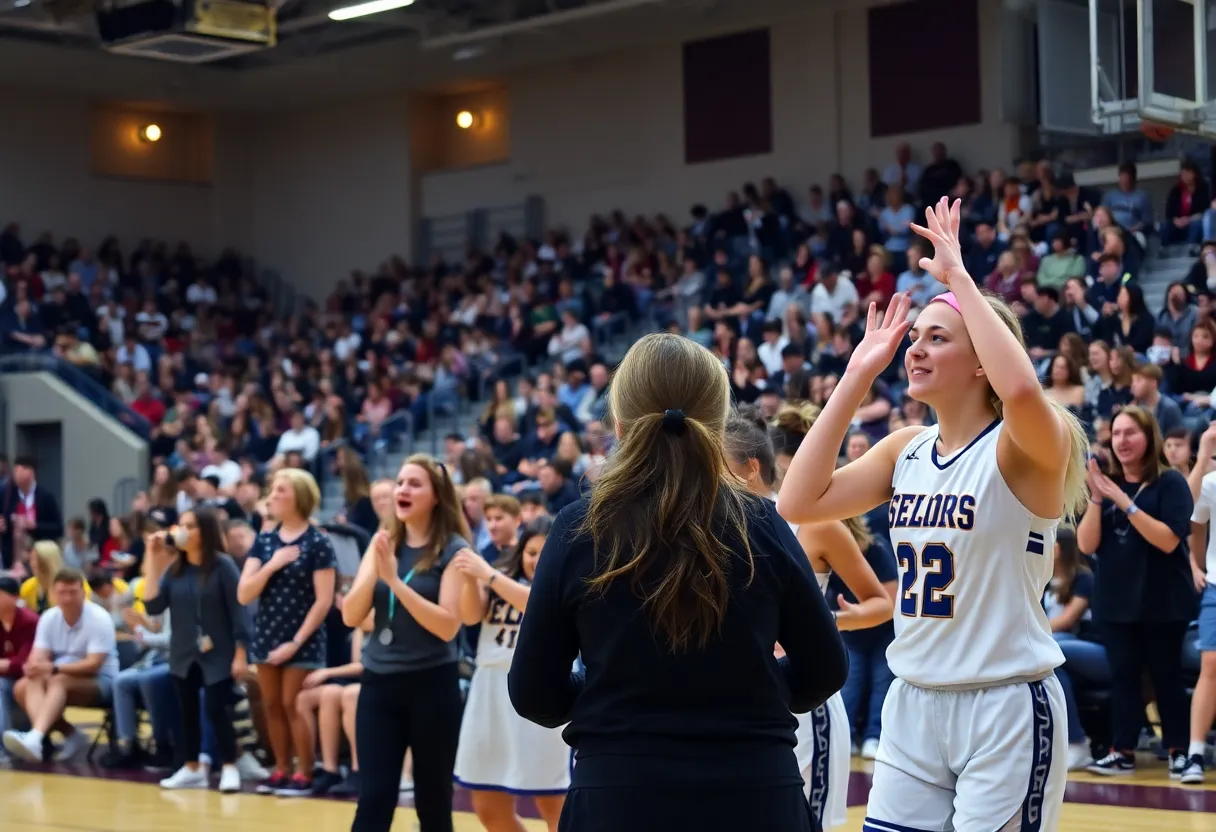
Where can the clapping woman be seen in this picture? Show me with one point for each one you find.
(410, 691)
(1138, 516)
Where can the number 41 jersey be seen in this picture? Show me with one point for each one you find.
(973, 564)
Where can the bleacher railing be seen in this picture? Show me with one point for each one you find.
(80, 381)
(123, 495)
(451, 235)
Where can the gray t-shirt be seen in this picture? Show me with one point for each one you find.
(413, 647)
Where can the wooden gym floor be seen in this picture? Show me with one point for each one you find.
(80, 797)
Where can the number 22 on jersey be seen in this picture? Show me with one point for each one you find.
(937, 562)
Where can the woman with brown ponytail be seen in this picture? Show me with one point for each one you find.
(673, 583)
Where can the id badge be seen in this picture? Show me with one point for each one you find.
(204, 643)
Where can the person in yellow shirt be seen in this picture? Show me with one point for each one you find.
(46, 559)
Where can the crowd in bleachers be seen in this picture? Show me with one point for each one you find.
(235, 392)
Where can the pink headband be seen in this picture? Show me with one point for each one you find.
(948, 298)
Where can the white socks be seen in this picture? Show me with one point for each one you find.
(1197, 748)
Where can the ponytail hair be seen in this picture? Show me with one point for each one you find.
(1076, 485)
(747, 439)
(666, 492)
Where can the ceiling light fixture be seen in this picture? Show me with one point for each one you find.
(464, 119)
(150, 133)
(363, 9)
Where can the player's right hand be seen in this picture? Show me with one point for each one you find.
(878, 347)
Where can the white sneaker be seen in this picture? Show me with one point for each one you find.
(73, 744)
(230, 779)
(869, 749)
(184, 778)
(251, 769)
(23, 746)
(1079, 757)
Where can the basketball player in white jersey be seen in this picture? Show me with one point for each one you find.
(501, 755)
(823, 735)
(974, 726)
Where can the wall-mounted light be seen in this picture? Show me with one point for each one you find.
(465, 119)
(150, 133)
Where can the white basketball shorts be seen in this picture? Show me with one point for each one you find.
(986, 760)
(823, 752)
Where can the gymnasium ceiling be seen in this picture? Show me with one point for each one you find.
(54, 45)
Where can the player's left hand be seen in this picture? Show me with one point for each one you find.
(943, 223)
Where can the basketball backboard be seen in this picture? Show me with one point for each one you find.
(1149, 64)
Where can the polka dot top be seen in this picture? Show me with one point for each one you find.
(289, 595)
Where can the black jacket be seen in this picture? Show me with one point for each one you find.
(48, 519)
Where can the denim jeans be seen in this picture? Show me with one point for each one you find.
(152, 687)
(868, 675)
(1084, 661)
(8, 705)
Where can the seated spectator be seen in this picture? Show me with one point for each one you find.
(326, 706)
(149, 684)
(73, 664)
(1068, 603)
(919, 285)
(1128, 203)
(1185, 206)
(46, 561)
(1062, 263)
(1146, 392)
(553, 476)
(17, 627)
(1129, 324)
(78, 551)
(21, 329)
(1045, 323)
(1178, 317)
(303, 438)
(1192, 375)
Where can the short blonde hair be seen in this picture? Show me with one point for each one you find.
(304, 489)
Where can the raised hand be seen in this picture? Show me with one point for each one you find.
(877, 349)
(942, 231)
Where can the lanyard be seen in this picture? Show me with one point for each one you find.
(392, 599)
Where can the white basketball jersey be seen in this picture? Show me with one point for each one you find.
(499, 629)
(973, 564)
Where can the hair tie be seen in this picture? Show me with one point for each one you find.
(674, 421)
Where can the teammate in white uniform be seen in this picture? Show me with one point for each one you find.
(501, 754)
(823, 734)
(974, 733)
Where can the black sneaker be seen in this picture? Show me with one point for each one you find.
(273, 783)
(324, 781)
(297, 786)
(162, 759)
(1178, 763)
(1192, 773)
(1113, 764)
(348, 787)
(122, 759)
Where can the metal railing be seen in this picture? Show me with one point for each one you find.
(123, 495)
(451, 235)
(80, 381)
